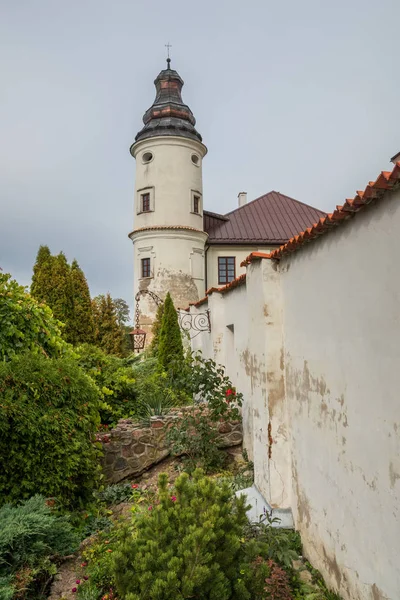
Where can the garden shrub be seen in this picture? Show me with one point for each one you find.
(185, 546)
(114, 377)
(49, 413)
(32, 537)
(26, 325)
(170, 348)
(195, 435)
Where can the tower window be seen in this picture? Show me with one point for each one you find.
(147, 157)
(195, 160)
(145, 267)
(196, 204)
(226, 269)
(145, 202)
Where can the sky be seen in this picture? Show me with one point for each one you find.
(300, 97)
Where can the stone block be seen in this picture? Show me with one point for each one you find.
(120, 464)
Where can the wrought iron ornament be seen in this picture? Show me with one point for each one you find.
(197, 323)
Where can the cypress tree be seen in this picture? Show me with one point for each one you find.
(170, 347)
(61, 299)
(108, 334)
(41, 286)
(156, 330)
(82, 326)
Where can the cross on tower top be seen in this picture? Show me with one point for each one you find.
(168, 46)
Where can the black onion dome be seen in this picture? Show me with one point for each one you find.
(168, 115)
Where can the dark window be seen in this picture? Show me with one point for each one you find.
(196, 204)
(145, 202)
(226, 269)
(145, 267)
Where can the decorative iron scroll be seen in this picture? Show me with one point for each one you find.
(197, 323)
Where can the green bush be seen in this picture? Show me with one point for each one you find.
(114, 377)
(195, 435)
(26, 325)
(186, 546)
(169, 341)
(49, 413)
(31, 537)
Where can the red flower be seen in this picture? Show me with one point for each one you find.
(73, 590)
(134, 486)
(150, 508)
(173, 498)
(78, 581)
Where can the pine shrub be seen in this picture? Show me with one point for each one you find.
(32, 537)
(170, 348)
(49, 413)
(185, 546)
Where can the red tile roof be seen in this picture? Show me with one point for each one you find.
(271, 219)
(374, 191)
(222, 290)
(254, 256)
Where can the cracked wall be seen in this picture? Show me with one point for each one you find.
(342, 331)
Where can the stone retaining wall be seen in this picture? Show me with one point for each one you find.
(130, 449)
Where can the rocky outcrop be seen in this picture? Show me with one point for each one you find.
(130, 449)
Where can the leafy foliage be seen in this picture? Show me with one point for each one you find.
(277, 585)
(41, 286)
(49, 412)
(170, 348)
(122, 311)
(196, 433)
(114, 377)
(108, 334)
(186, 546)
(26, 325)
(31, 533)
(82, 325)
(280, 545)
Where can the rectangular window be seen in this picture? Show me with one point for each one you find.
(226, 269)
(145, 202)
(145, 267)
(196, 204)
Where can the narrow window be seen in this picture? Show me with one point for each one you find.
(226, 269)
(145, 267)
(145, 202)
(196, 204)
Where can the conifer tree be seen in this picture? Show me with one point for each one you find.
(185, 546)
(156, 329)
(82, 326)
(61, 299)
(41, 286)
(108, 334)
(170, 348)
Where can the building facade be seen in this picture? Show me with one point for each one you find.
(178, 246)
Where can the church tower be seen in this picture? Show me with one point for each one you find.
(168, 236)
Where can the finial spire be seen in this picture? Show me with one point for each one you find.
(168, 46)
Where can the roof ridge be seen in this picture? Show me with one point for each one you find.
(215, 215)
(279, 194)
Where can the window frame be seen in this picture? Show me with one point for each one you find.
(145, 267)
(223, 265)
(196, 204)
(145, 198)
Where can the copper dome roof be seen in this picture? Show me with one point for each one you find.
(168, 115)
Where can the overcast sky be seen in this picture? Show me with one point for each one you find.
(300, 96)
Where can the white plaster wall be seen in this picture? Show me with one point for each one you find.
(342, 351)
(239, 252)
(177, 266)
(172, 178)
